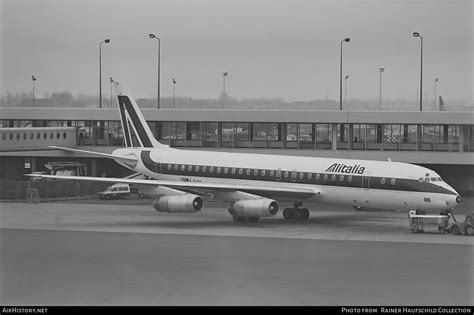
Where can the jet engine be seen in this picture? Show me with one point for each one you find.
(178, 203)
(262, 207)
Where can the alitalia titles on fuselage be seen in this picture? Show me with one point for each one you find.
(342, 168)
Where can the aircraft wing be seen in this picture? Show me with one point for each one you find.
(280, 190)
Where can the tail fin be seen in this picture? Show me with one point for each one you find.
(135, 128)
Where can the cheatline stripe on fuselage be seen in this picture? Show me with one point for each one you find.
(331, 179)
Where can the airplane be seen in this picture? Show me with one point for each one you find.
(254, 185)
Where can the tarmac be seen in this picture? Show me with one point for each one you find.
(93, 252)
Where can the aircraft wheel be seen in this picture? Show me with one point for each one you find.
(237, 218)
(304, 214)
(297, 214)
(455, 230)
(288, 214)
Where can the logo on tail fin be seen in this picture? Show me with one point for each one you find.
(135, 128)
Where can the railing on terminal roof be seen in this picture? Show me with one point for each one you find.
(263, 135)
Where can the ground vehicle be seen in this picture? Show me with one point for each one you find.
(466, 227)
(420, 222)
(116, 191)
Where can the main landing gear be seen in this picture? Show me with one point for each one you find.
(296, 212)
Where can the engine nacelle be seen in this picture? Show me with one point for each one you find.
(262, 207)
(178, 203)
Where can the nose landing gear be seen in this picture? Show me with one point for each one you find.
(296, 212)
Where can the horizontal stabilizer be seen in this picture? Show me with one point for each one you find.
(105, 155)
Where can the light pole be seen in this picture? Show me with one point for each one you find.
(345, 88)
(111, 81)
(380, 88)
(33, 79)
(436, 101)
(347, 39)
(100, 70)
(153, 36)
(174, 83)
(223, 94)
(416, 34)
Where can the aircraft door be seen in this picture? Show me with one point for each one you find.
(366, 181)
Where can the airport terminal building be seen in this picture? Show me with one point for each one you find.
(442, 141)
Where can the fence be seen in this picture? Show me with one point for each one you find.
(49, 190)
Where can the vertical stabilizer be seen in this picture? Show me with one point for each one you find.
(136, 131)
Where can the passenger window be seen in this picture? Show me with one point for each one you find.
(318, 176)
(310, 176)
(190, 168)
(382, 180)
(176, 167)
(211, 169)
(241, 171)
(4, 136)
(183, 168)
(272, 173)
(32, 136)
(263, 173)
(64, 135)
(285, 174)
(247, 172)
(38, 136)
(204, 169)
(51, 135)
(45, 136)
(349, 179)
(196, 168)
(325, 177)
(17, 136)
(293, 175)
(24, 136)
(392, 181)
(218, 170)
(333, 177)
(301, 175)
(169, 167)
(341, 178)
(58, 135)
(255, 173)
(226, 170)
(233, 171)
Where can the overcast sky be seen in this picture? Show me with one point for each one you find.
(286, 48)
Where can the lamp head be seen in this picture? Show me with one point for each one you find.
(436, 80)
(107, 40)
(111, 80)
(381, 69)
(174, 81)
(225, 74)
(347, 77)
(33, 78)
(151, 35)
(347, 39)
(416, 34)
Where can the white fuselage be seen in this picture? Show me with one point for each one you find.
(358, 183)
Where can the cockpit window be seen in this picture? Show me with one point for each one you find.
(440, 179)
(427, 179)
(434, 179)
